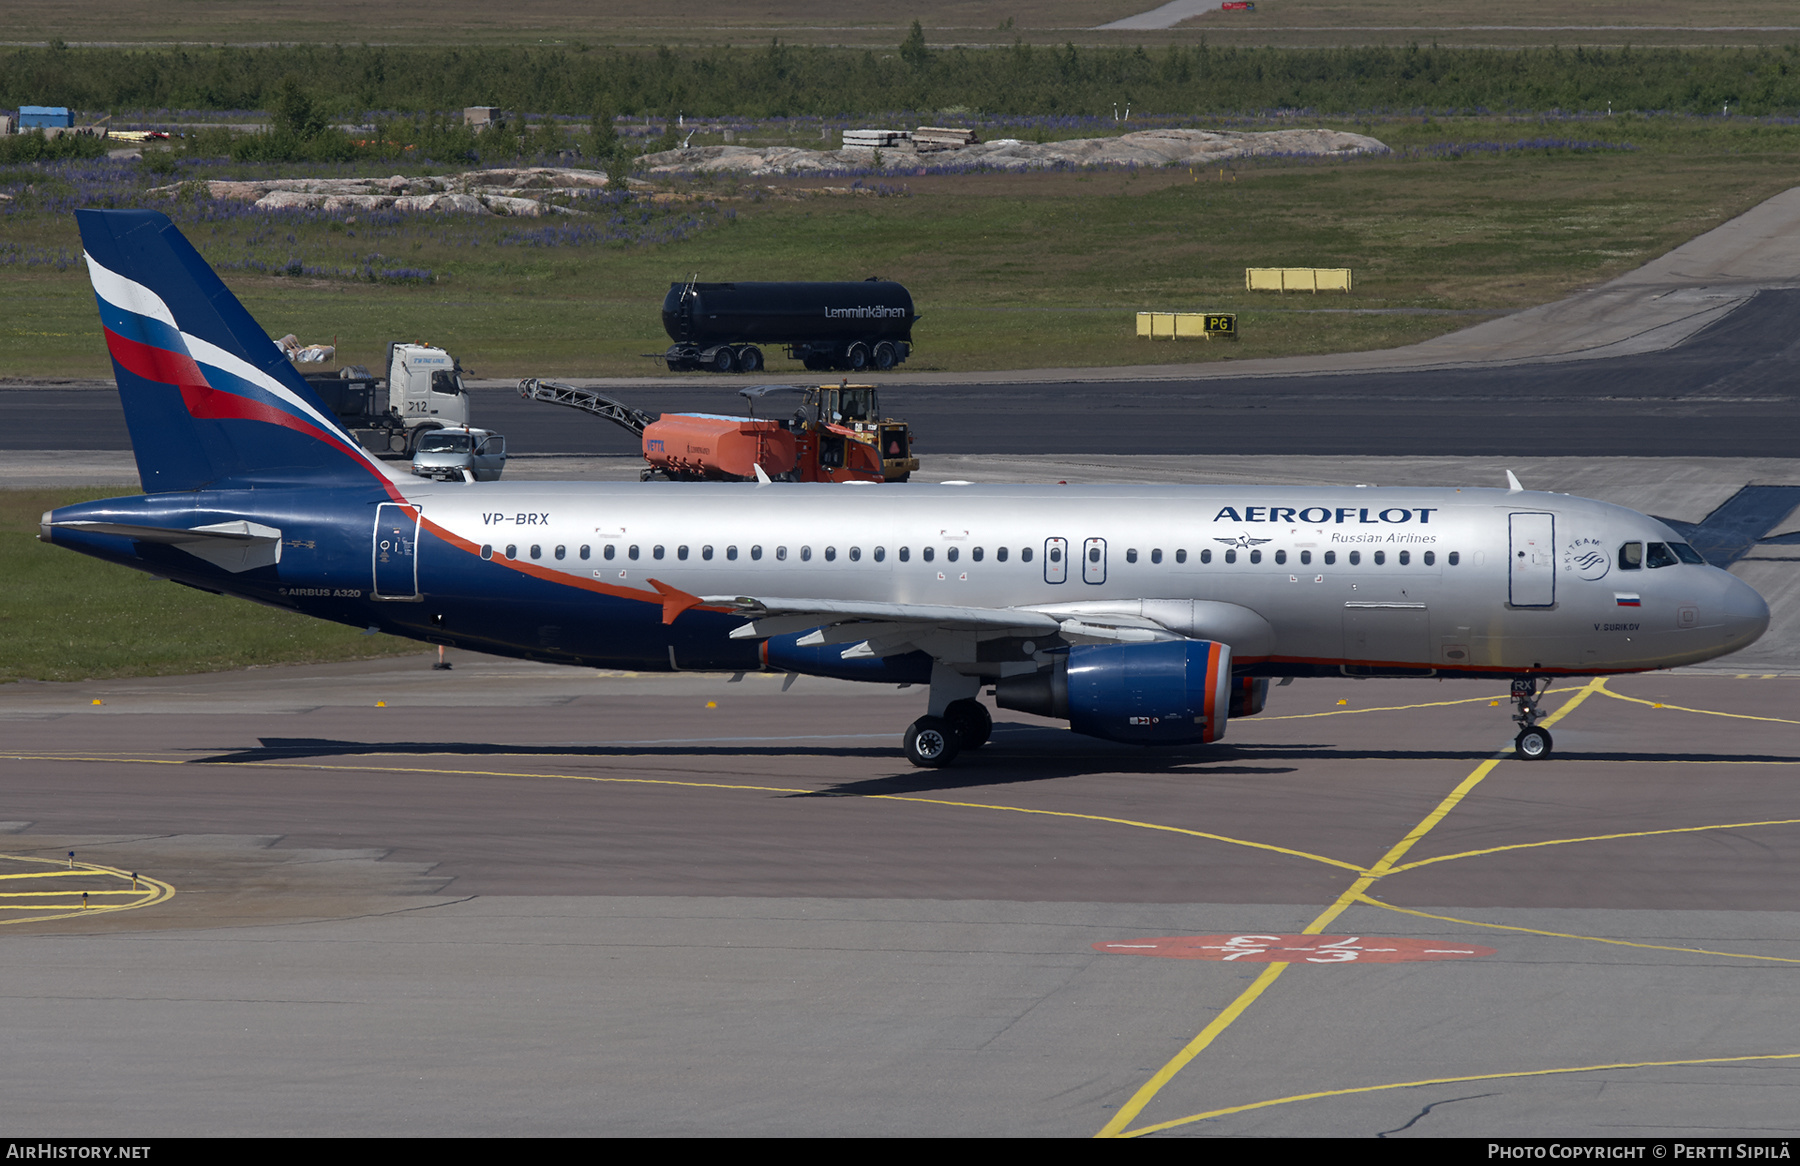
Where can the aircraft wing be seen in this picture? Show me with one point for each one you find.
(946, 632)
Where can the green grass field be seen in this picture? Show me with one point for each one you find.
(623, 22)
(65, 616)
(1032, 270)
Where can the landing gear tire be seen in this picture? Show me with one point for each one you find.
(972, 722)
(931, 742)
(885, 356)
(749, 359)
(1532, 744)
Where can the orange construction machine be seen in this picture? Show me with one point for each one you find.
(835, 434)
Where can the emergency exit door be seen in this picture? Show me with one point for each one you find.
(396, 551)
(1531, 561)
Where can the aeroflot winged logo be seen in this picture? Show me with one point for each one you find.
(1243, 540)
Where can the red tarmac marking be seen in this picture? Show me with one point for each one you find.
(1304, 949)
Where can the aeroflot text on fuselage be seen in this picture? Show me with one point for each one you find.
(1315, 515)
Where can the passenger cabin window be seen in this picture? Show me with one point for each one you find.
(1000, 554)
(1356, 558)
(1380, 558)
(1024, 554)
(905, 554)
(928, 552)
(1454, 558)
(1330, 558)
(1430, 558)
(1405, 558)
(1256, 556)
(656, 552)
(976, 554)
(631, 552)
(756, 552)
(856, 554)
(731, 554)
(806, 554)
(1631, 557)
(781, 552)
(487, 551)
(512, 551)
(706, 554)
(562, 552)
(537, 552)
(831, 554)
(606, 552)
(1206, 555)
(1658, 555)
(1181, 556)
(880, 554)
(1156, 555)
(1131, 555)
(1281, 556)
(949, 554)
(1231, 556)
(681, 553)
(585, 552)
(1306, 558)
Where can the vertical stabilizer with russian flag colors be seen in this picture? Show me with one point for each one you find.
(207, 395)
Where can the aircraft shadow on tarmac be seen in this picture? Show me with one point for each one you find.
(1017, 753)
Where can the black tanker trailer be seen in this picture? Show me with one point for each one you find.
(854, 326)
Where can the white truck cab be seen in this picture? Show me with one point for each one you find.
(425, 384)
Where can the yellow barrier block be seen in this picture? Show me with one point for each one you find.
(1286, 279)
(1187, 325)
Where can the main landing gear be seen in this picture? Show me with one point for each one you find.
(1533, 742)
(956, 721)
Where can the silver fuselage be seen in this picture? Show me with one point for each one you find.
(1468, 580)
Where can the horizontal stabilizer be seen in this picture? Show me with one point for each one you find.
(236, 546)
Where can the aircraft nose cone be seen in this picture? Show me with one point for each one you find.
(1746, 614)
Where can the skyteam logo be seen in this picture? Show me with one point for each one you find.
(1587, 558)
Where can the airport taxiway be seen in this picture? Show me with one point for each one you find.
(517, 899)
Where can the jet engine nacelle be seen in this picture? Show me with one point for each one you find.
(1172, 692)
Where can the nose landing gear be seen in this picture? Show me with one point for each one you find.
(1533, 742)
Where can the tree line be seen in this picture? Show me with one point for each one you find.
(777, 80)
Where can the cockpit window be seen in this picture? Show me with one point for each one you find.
(1659, 555)
(1631, 556)
(1686, 553)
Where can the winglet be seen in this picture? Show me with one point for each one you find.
(1512, 484)
(762, 475)
(674, 600)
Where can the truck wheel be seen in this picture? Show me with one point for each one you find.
(723, 360)
(749, 359)
(885, 356)
(856, 357)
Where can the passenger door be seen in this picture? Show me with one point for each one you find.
(1056, 560)
(396, 551)
(1531, 561)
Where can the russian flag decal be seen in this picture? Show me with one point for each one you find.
(1624, 599)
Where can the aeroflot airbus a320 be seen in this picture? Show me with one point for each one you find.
(1138, 613)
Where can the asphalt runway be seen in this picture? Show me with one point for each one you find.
(1728, 391)
(514, 899)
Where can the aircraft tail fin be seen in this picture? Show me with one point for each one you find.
(207, 395)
